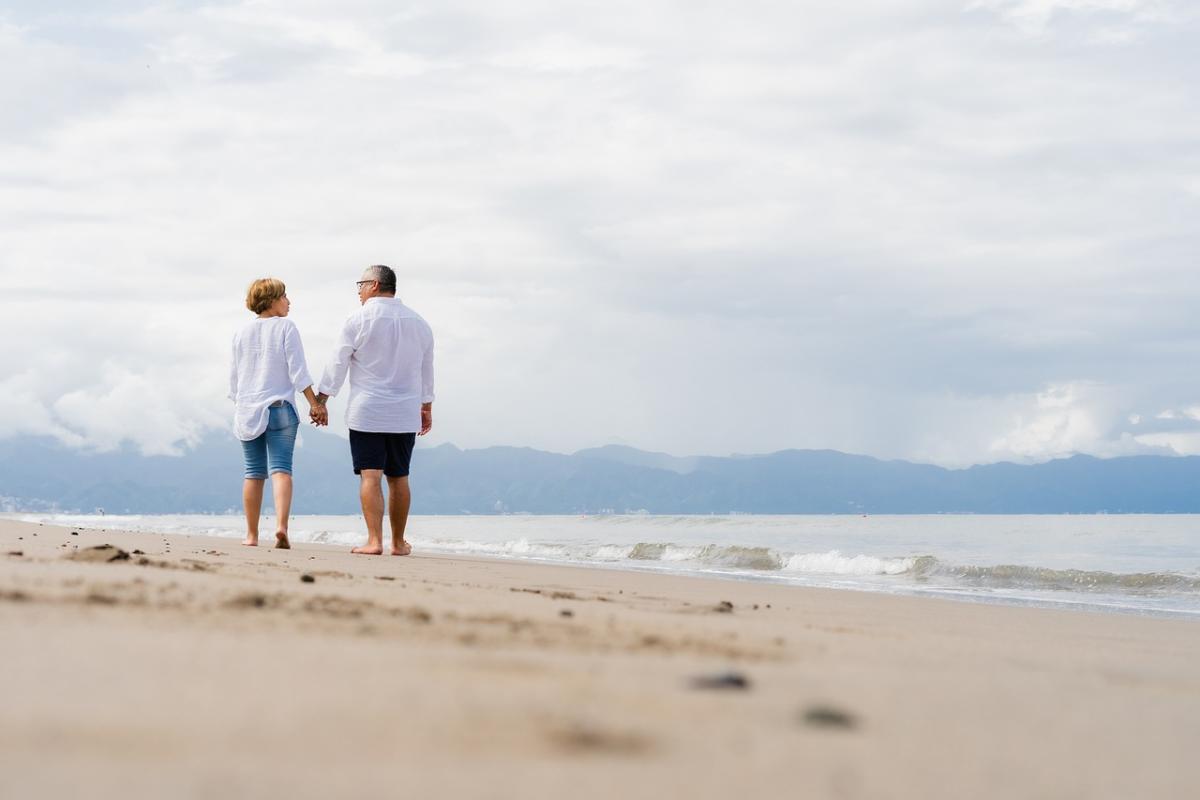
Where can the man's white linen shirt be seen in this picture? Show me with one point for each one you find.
(387, 349)
(268, 365)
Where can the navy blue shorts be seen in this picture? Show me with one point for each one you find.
(390, 452)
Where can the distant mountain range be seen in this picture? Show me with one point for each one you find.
(40, 474)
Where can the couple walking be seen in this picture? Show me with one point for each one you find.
(387, 351)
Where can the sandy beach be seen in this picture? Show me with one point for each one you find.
(192, 667)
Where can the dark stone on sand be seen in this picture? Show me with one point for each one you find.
(724, 607)
(16, 553)
(306, 578)
(249, 600)
(384, 578)
(138, 553)
(74, 533)
(566, 612)
(100, 554)
(827, 717)
(721, 680)
(582, 738)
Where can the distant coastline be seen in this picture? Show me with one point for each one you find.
(41, 474)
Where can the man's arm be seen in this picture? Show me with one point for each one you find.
(427, 389)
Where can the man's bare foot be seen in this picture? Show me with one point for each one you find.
(250, 541)
(369, 550)
(281, 541)
(403, 550)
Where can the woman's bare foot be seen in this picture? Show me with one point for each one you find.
(369, 550)
(250, 541)
(402, 550)
(281, 541)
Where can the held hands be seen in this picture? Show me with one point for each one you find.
(318, 414)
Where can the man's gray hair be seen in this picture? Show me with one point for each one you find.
(386, 277)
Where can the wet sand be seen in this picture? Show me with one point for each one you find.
(191, 667)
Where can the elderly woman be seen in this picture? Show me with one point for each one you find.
(268, 370)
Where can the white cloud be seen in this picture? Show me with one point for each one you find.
(1034, 16)
(700, 229)
(144, 409)
(1183, 443)
(1062, 421)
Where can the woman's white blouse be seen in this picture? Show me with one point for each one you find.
(268, 365)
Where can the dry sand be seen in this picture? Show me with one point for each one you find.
(198, 668)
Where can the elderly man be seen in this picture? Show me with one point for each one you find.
(387, 349)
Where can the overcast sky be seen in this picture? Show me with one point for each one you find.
(940, 230)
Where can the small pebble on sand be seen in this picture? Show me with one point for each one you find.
(827, 717)
(721, 680)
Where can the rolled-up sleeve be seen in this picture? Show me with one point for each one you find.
(335, 371)
(293, 349)
(233, 370)
(427, 373)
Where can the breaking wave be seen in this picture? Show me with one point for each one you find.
(1010, 576)
(915, 571)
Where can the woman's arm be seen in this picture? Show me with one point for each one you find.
(293, 350)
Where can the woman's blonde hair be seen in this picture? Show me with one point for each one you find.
(263, 293)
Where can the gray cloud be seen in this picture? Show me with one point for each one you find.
(933, 230)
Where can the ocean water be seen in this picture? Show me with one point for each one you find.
(1142, 564)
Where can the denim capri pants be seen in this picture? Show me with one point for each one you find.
(271, 451)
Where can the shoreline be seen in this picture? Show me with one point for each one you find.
(1147, 604)
(198, 665)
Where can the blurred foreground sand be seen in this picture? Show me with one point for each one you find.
(198, 668)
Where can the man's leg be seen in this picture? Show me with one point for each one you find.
(370, 492)
(399, 499)
(252, 495)
(281, 486)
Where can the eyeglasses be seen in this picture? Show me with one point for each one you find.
(361, 284)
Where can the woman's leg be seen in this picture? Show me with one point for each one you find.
(252, 495)
(254, 453)
(281, 486)
(281, 433)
